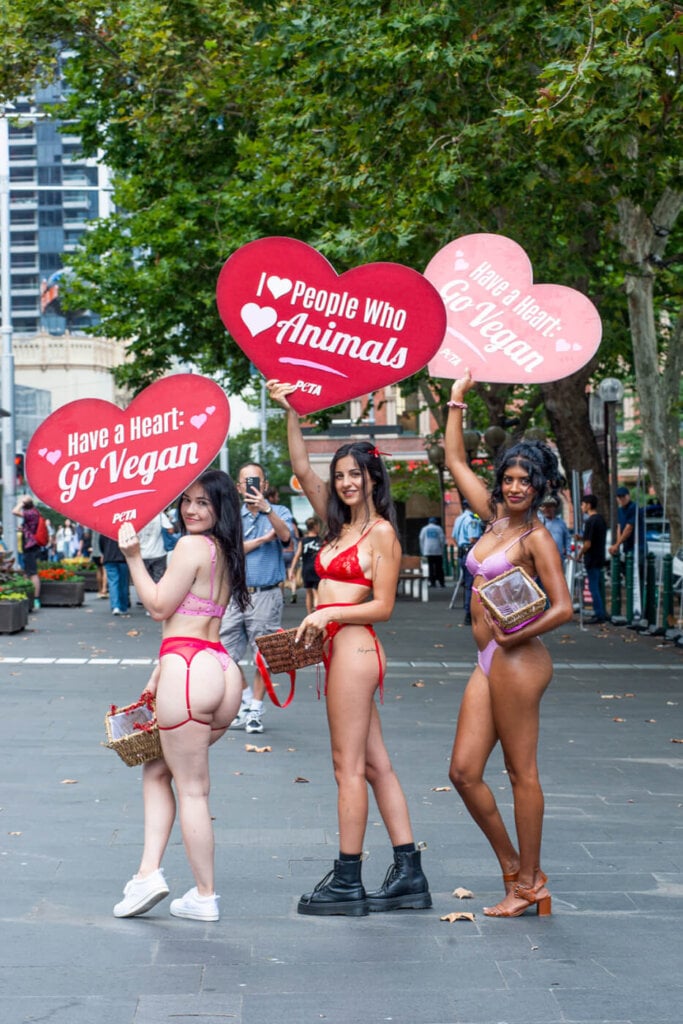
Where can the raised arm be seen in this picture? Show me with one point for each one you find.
(314, 487)
(467, 482)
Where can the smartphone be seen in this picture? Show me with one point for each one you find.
(253, 483)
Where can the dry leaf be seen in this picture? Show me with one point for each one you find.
(69, 782)
(650, 721)
(291, 750)
(14, 833)
(608, 696)
(133, 632)
(418, 682)
(237, 773)
(441, 789)
(300, 778)
(629, 695)
(676, 741)
(257, 750)
(439, 645)
(462, 894)
(618, 719)
(457, 915)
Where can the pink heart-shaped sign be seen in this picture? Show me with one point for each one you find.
(336, 336)
(502, 326)
(103, 466)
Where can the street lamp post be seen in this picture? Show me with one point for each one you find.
(7, 367)
(611, 391)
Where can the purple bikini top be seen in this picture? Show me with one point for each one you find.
(193, 605)
(494, 564)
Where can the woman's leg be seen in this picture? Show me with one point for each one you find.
(214, 697)
(518, 681)
(475, 738)
(387, 789)
(351, 683)
(159, 814)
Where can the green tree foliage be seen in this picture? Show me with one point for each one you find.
(378, 131)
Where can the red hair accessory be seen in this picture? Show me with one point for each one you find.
(376, 452)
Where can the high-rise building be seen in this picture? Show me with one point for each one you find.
(54, 192)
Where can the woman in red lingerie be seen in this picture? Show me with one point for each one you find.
(197, 686)
(502, 698)
(358, 568)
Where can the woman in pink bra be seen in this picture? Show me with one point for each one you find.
(197, 687)
(502, 698)
(358, 568)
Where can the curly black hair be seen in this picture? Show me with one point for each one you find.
(539, 462)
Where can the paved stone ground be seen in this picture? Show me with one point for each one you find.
(70, 816)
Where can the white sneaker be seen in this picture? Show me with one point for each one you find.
(196, 907)
(254, 723)
(240, 719)
(141, 894)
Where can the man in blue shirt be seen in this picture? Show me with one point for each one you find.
(557, 528)
(631, 525)
(432, 540)
(266, 529)
(467, 530)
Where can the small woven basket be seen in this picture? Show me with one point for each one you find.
(282, 654)
(132, 731)
(513, 598)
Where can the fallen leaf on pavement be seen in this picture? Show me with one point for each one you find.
(457, 915)
(676, 741)
(650, 721)
(14, 833)
(418, 682)
(133, 632)
(250, 748)
(462, 894)
(69, 782)
(618, 719)
(441, 789)
(300, 778)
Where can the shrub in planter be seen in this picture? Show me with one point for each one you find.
(60, 586)
(13, 612)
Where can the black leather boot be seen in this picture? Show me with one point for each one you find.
(404, 887)
(339, 892)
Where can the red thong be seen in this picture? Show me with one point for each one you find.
(331, 631)
(187, 647)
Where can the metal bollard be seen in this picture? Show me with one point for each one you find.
(629, 587)
(651, 590)
(667, 591)
(615, 585)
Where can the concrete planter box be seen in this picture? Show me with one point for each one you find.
(90, 582)
(67, 593)
(13, 616)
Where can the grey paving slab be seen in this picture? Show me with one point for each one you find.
(70, 832)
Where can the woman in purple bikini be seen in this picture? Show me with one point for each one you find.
(502, 698)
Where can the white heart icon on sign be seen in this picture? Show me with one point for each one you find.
(257, 318)
(278, 286)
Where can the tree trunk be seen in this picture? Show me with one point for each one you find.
(658, 373)
(566, 403)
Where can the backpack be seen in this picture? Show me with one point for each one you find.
(41, 535)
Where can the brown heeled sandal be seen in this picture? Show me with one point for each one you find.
(528, 893)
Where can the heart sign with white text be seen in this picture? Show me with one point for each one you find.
(103, 466)
(335, 336)
(501, 325)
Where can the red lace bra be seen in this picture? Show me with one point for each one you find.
(344, 567)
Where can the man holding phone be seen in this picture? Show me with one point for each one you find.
(266, 529)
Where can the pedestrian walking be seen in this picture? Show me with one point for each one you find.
(432, 541)
(358, 568)
(311, 543)
(30, 548)
(593, 553)
(118, 576)
(197, 687)
(467, 529)
(502, 698)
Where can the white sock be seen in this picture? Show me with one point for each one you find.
(247, 695)
(256, 705)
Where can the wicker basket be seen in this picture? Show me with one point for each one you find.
(133, 732)
(513, 598)
(282, 654)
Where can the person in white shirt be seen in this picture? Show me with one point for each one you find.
(432, 540)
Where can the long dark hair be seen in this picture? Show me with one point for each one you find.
(222, 493)
(367, 458)
(539, 462)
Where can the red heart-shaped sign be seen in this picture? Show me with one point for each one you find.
(102, 466)
(501, 326)
(336, 336)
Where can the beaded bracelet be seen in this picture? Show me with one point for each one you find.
(457, 405)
